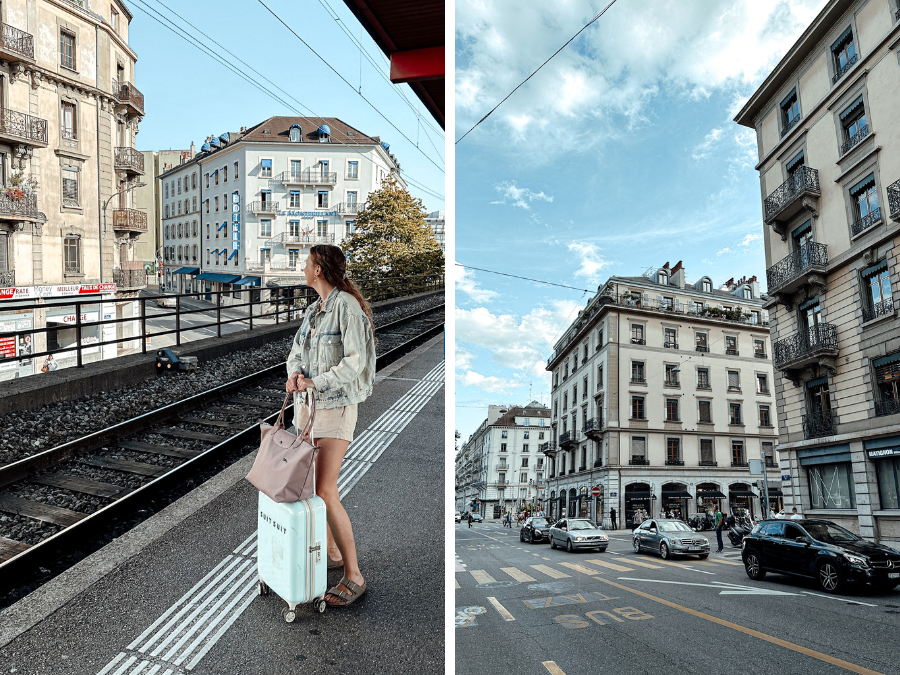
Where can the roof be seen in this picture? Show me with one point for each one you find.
(279, 131)
(689, 288)
(509, 419)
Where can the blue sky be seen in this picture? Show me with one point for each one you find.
(620, 155)
(189, 96)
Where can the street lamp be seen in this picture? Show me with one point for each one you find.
(105, 204)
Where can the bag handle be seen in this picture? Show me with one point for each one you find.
(307, 430)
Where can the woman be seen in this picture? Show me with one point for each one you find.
(49, 364)
(333, 357)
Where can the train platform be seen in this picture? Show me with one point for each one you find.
(177, 594)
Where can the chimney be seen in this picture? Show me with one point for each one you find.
(666, 266)
(677, 278)
(193, 151)
(730, 284)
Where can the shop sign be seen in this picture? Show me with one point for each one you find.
(308, 214)
(70, 318)
(65, 291)
(881, 453)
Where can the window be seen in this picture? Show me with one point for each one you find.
(114, 19)
(637, 334)
(599, 338)
(705, 411)
(790, 112)
(831, 486)
(206, 176)
(350, 227)
(637, 408)
(294, 201)
(527, 434)
(207, 206)
(768, 449)
(524, 462)
(734, 380)
(67, 49)
(67, 120)
(600, 376)
(224, 174)
(662, 278)
(235, 171)
(702, 343)
(671, 375)
(207, 230)
(194, 180)
(737, 453)
(707, 286)
(294, 228)
(503, 446)
(166, 185)
(703, 378)
(207, 256)
(762, 386)
(523, 478)
(889, 482)
(734, 413)
(541, 435)
(754, 317)
(747, 293)
(179, 185)
(322, 199)
(671, 338)
(179, 208)
(525, 447)
(707, 455)
(844, 53)
(70, 186)
(265, 228)
(265, 254)
(293, 257)
(265, 168)
(854, 124)
(72, 254)
(167, 210)
(351, 200)
(887, 380)
(759, 349)
(879, 300)
(216, 174)
(352, 170)
(764, 419)
(672, 410)
(167, 232)
(638, 448)
(296, 134)
(673, 451)
(217, 204)
(503, 434)
(637, 371)
(731, 345)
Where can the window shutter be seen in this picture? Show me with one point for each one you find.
(659, 301)
(677, 305)
(646, 300)
(638, 447)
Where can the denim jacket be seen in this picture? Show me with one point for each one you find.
(335, 347)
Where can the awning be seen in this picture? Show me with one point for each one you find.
(788, 98)
(741, 493)
(877, 267)
(187, 270)
(219, 278)
(805, 227)
(838, 43)
(863, 184)
(818, 382)
(711, 494)
(885, 360)
(794, 162)
(831, 454)
(248, 281)
(853, 106)
(809, 303)
(881, 448)
(775, 492)
(677, 494)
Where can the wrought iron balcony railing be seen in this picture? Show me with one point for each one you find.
(638, 380)
(731, 352)
(127, 93)
(840, 71)
(567, 438)
(887, 406)
(670, 345)
(7, 278)
(804, 179)
(12, 209)
(639, 461)
(701, 348)
(285, 238)
(819, 424)
(32, 130)
(708, 462)
(263, 207)
(129, 159)
(867, 221)
(638, 341)
(129, 219)
(883, 308)
(790, 125)
(129, 278)
(674, 462)
(15, 42)
(786, 270)
(593, 427)
(307, 177)
(851, 142)
(893, 195)
(737, 463)
(673, 382)
(805, 343)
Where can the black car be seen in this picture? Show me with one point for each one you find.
(820, 550)
(535, 531)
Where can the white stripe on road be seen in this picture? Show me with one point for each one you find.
(832, 597)
(500, 608)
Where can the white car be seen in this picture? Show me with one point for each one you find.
(457, 517)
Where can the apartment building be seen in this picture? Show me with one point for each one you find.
(500, 464)
(662, 394)
(437, 220)
(180, 192)
(829, 165)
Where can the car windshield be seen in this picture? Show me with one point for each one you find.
(581, 525)
(539, 522)
(674, 527)
(830, 533)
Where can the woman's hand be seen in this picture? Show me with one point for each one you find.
(291, 385)
(304, 383)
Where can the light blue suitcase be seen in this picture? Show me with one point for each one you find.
(291, 552)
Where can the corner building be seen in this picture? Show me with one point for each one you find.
(661, 396)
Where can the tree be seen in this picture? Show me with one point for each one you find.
(392, 238)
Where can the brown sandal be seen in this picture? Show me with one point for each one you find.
(335, 564)
(348, 598)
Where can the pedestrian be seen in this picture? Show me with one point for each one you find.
(720, 523)
(471, 518)
(612, 517)
(49, 364)
(795, 515)
(333, 359)
(509, 519)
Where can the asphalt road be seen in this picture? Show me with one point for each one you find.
(538, 611)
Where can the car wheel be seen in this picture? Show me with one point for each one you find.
(829, 577)
(753, 568)
(703, 556)
(636, 544)
(663, 551)
(521, 536)
(569, 546)
(552, 542)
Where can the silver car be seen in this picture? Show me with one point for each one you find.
(668, 538)
(578, 533)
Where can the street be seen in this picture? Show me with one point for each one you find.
(537, 610)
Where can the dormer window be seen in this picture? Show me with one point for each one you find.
(662, 278)
(324, 133)
(296, 133)
(748, 293)
(707, 286)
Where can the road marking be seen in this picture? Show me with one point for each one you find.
(456, 582)
(552, 668)
(481, 576)
(840, 663)
(581, 568)
(724, 562)
(833, 597)
(682, 566)
(552, 573)
(609, 565)
(517, 574)
(641, 563)
(613, 553)
(500, 608)
(723, 587)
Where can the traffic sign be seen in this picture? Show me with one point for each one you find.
(596, 490)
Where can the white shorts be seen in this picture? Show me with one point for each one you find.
(330, 422)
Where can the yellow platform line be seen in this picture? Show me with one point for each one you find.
(609, 565)
(517, 574)
(550, 572)
(581, 568)
(481, 576)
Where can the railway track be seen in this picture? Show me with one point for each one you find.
(117, 470)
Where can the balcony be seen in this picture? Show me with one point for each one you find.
(731, 352)
(893, 195)
(128, 95)
(19, 209)
(15, 45)
(800, 191)
(804, 267)
(7, 278)
(594, 428)
(816, 345)
(567, 440)
(349, 208)
(639, 461)
(708, 462)
(546, 449)
(129, 279)
(674, 462)
(129, 220)
(130, 161)
(759, 355)
(22, 129)
(878, 309)
(670, 345)
(638, 341)
(307, 177)
(304, 239)
(739, 463)
(870, 219)
(886, 406)
(263, 207)
(839, 73)
(819, 424)
(854, 140)
(701, 348)
(790, 125)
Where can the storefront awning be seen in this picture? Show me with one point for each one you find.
(677, 494)
(711, 494)
(742, 493)
(775, 492)
(187, 270)
(219, 278)
(248, 281)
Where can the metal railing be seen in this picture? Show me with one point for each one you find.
(308, 177)
(893, 195)
(129, 159)
(25, 127)
(674, 382)
(852, 141)
(739, 463)
(670, 345)
(567, 438)
(126, 92)
(129, 278)
(804, 343)
(639, 461)
(867, 221)
(285, 238)
(13, 208)
(731, 352)
(793, 265)
(819, 424)
(638, 341)
(883, 308)
(707, 462)
(790, 125)
(7, 278)
(593, 424)
(674, 462)
(263, 207)
(760, 355)
(129, 219)
(701, 348)
(887, 406)
(840, 71)
(349, 207)
(15, 41)
(804, 178)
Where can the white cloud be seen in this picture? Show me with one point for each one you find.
(591, 261)
(521, 197)
(465, 282)
(752, 239)
(724, 250)
(463, 359)
(489, 383)
(704, 149)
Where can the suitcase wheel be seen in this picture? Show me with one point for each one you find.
(320, 605)
(289, 614)
(262, 588)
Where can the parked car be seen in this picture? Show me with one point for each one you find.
(578, 533)
(457, 517)
(166, 301)
(669, 537)
(476, 517)
(536, 530)
(820, 550)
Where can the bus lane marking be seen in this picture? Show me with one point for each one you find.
(559, 600)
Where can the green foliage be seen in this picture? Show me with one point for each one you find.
(392, 238)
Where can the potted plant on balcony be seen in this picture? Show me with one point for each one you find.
(20, 186)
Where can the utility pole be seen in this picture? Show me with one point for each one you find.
(765, 496)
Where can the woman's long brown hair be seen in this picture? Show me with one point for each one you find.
(334, 268)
